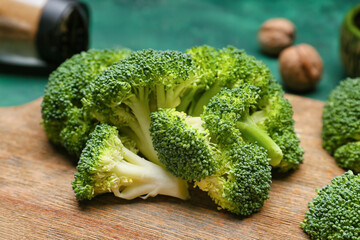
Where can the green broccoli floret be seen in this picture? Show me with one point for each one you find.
(127, 92)
(262, 118)
(63, 117)
(242, 182)
(106, 165)
(341, 122)
(220, 68)
(183, 146)
(348, 156)
(334, 212)
(236, 176)
(276, 119)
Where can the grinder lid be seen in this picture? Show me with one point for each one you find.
(63, 30)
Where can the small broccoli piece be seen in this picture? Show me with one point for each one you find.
(348, 156)
(62, 109)
(127, 92)
(341, 121)
(220, 68)
(106, 165)
(236, 175)
(242, 183)
(334, 212)
(183, 146)
(234, 109)
(260, 116)
(280, 126)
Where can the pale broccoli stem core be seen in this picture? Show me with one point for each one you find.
(170, 98)
(186, 100)
(148, 179)
(253, 133)
(139, 104)
(196, 109)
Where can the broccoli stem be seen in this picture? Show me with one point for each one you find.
(170, 98)
(149, 179)
(188, 97)
(253, 133)
(139, 105)
(197, 108)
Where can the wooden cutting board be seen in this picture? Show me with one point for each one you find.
(37, 201)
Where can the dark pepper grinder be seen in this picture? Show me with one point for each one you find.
(42, 32)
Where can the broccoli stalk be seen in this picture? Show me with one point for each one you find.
(106, 165)
(251, 131)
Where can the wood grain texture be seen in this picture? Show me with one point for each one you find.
(37, 201)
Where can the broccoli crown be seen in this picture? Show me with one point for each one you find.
(233, 108)
(128, 91)
(257, 115)
(106, 165)
(348, 156)
(62, 102)
(334, 212)
(280, 126)
(242, 182)
(341, 115)
(182, 147)
(236, 175)
(221, 68)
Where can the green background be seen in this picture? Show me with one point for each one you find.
(181, 24)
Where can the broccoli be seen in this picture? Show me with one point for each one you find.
(213, 116)
(127, 92)
(106, 165)
(260, 116)
(334, 212)
(237, 176)
(183, 146)
(62, 110)
(220, 68)
(341, 124)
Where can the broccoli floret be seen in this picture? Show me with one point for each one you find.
(127, 92)
(183, 146)
(242, 182)
(106, 165)
(220, 68)
(334, 212)
(348, 156)
(63, 117)
(261, 116)
(236, 175)
(341, 120)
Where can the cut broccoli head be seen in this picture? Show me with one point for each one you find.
(334, 212)
(106, 165)
(260, 116)
(341, 115)
(235, 174)
(62, 102)
(242, 183)
(127, 92)
(183, 146)
(348, 156)
(221, 68)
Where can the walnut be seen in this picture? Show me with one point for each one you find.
(300, 67)
(275, 35)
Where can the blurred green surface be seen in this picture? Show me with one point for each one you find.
(181, 24)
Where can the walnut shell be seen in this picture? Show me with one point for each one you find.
(275, 35)
(300, 67)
